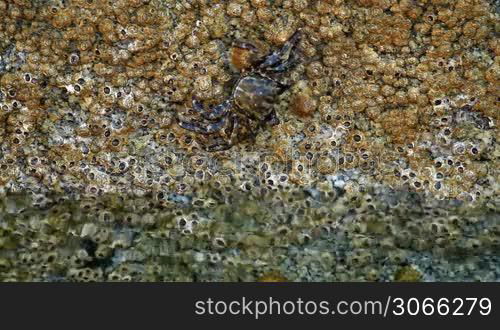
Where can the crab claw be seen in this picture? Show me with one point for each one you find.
(244, 55)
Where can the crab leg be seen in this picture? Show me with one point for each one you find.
(224, 145)
(234, 130)
(208, 129)
(215, 113)
(245, 45)
(198, 106)
(273, 119)
(283, 66)
(218, 147)
(218, 111)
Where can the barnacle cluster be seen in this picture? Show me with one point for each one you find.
(384, 165)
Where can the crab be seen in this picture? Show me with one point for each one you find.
(251, 104)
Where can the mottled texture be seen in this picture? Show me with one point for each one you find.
(387, 136)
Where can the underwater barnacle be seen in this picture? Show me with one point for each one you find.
(252, 99)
